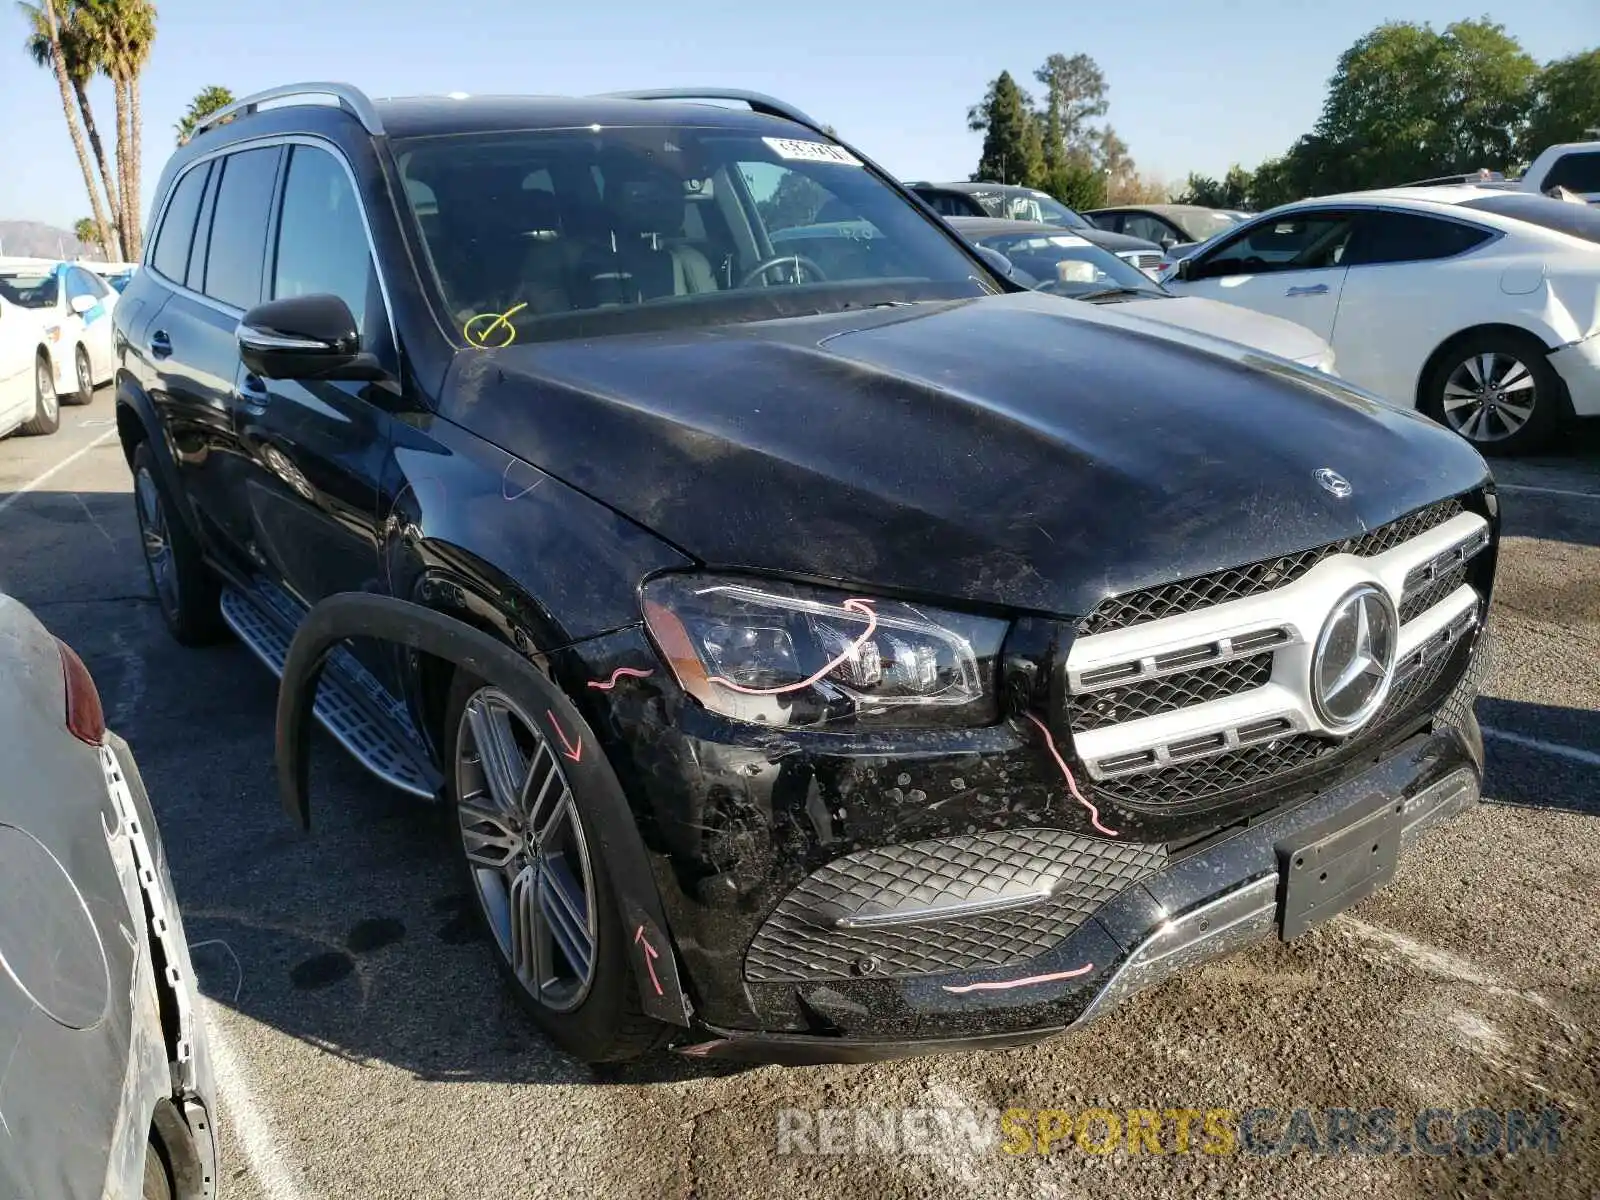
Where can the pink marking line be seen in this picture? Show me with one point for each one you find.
(650, 957)
(860, 606)
(1072, 784)
(575, 753)
(635, 672)
(1003, 985)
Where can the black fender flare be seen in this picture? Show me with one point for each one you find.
(386, 619)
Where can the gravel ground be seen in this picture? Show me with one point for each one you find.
(366, 1049)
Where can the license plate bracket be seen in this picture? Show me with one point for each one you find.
(1324, 871)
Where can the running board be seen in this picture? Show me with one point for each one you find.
(351, 704)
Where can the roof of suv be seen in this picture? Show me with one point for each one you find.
(421, 116)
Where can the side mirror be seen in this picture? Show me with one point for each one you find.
(1185, 269)
(1168, 241)
(998, 263)
(304, 337)
(82, 304)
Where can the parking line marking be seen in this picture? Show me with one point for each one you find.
(1521, 739)
(1548, 491)
(66, 462)
(257, 1140)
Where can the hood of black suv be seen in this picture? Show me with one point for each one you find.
(1018, 450)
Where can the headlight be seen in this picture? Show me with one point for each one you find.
(801, 657)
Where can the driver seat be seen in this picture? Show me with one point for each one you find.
(639, 257)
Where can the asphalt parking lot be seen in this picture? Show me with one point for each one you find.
(365, 1047)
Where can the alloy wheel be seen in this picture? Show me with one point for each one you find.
(45, 385)
(526, 850)
(1489, 396)
(153, 535)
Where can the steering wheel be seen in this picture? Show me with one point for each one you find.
(800, 261)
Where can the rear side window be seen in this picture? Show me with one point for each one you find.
(1574, 220)
(1575, 172)
(239, 227)
(1395, 237)
(322, 242)
(171, 255)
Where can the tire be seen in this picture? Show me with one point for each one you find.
(595, 1017)
(185, 589)
(46, 408)
(1466, 391)
(156, 1184)
(83, 374)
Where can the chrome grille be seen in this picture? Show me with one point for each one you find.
(1145, 699)
(1219, 587)
(1174, 708)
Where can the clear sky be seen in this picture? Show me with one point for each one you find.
(1194, 85)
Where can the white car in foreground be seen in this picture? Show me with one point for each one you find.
(1482, 308)
(58, 314)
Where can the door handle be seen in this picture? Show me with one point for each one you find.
(160, 344)
(1316, 289)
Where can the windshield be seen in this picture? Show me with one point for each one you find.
(1066, 265)
(557, 233)
(1025, 204)
(30, 289)
(1202, 226)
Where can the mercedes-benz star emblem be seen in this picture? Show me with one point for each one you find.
(1334, 482)
(1354, 660)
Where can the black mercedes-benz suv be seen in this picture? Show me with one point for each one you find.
(824, 656)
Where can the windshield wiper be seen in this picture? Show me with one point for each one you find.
(1111, 293)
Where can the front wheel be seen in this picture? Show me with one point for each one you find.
(1498, 391)
(185, 588)
(540, 879)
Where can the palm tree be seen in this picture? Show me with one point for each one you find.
(208, 101)
(53, 42)
(121, 33)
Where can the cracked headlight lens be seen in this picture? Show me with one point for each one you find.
(795, 656)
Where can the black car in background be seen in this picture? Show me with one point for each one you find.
(827, 649)
(1014, 202)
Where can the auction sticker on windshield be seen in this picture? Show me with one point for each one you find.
(799, 148)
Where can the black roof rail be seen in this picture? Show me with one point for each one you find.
(352, 99)
(759, 102)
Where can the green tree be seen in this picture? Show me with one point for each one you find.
(1566, 101)
(1407, 102)
(207, 101)
(1075, 94)
(85, 230)
(1077, 184)
(1012, 150)
(57, 40)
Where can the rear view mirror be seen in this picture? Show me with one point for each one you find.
(304, 337)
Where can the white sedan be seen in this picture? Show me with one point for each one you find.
(1482, 308)
(58, 314)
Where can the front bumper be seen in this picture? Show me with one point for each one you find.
(1579, 367)
(1210, 902)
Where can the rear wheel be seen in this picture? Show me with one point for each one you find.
(540, 879)
(46, 408)
(1497, 390)
(83, 373)
(185, 589)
